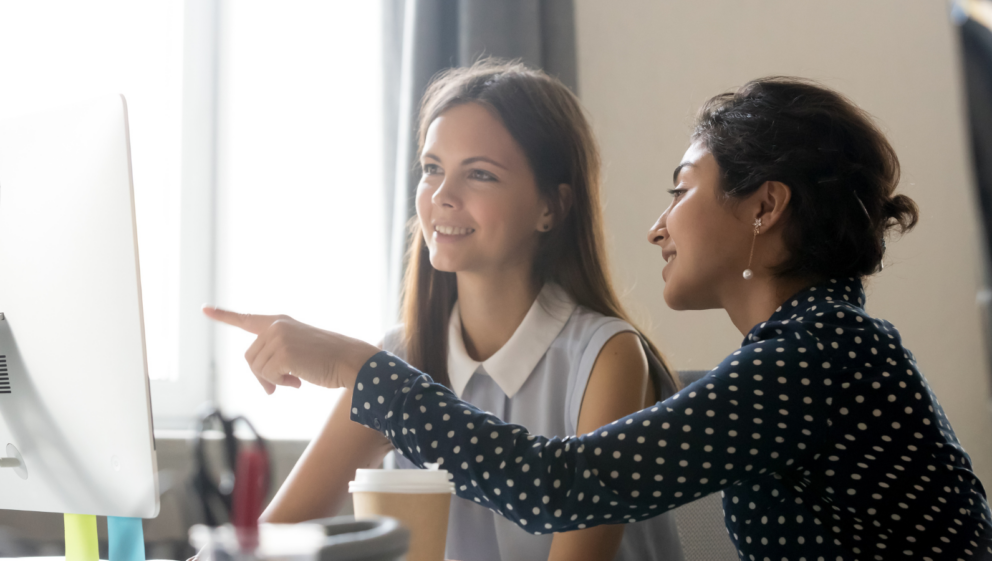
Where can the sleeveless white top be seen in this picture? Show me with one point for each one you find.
(537, 380)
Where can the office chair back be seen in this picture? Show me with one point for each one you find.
(701, 525)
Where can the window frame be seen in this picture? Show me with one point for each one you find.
(178, 402)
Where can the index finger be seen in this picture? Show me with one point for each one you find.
(252, 323)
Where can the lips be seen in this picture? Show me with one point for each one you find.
(668, 255)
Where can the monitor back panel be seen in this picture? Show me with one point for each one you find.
(74, 391)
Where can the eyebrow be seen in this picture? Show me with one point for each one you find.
(483, 159)
(678, 170)
(470, 160)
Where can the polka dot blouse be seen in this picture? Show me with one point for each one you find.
(823, 436)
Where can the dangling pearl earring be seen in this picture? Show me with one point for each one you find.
(748, 273)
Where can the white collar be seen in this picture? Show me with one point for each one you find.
(512, 364)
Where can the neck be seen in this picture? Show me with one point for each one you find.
(755, 300)
(492, 306)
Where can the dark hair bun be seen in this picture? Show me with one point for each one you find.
(902, 213)
(840, 167)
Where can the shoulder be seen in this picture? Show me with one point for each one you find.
(608, 367)
(622, 357)
(618, 383)
(841, 330)
(829, 338)
(612, 352)
(589, 330)
(588, 334)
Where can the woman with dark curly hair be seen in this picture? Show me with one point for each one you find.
(820, 431)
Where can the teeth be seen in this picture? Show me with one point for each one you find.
(670, 258)
(453, 230)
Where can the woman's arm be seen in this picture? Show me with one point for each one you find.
(729, 426)
(284, 352)
(318, 485)
(617, 387)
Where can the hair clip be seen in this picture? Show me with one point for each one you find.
(881, 264)
(863, 208)
(738, 115)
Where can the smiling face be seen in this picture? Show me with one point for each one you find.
(478, 202)
(703, 237)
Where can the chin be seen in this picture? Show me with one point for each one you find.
(444, 266)
(448, 263)
(673, 301)
(681, 300)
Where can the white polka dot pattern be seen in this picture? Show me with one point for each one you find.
(825, 439)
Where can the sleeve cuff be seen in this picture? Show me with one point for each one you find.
(379, 381)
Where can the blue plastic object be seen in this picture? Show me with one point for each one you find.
(126, 539)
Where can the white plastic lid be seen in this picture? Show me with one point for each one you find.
(418, 481)
(284, 542)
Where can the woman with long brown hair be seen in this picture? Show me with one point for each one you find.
(508, 302)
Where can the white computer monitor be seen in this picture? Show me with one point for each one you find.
(75, 406)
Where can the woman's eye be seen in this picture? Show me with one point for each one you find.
(481, 175)
(676, 192)
(431, 169)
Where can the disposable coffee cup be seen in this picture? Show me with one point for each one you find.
(418, 498)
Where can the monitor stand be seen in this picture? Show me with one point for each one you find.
(125, 537)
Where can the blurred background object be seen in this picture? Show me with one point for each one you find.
(974, 20)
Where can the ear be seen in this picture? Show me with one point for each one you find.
(555, 211)
(769, 204)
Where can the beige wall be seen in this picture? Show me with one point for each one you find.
(646, 66)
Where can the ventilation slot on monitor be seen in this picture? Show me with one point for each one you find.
(4, 377)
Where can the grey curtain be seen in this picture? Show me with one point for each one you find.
(976, 43)
(423, 37)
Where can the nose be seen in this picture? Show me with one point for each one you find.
(659, 231)
(446, 194)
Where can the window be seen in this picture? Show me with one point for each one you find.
(300, 220)
(57, 53)
(266, 119)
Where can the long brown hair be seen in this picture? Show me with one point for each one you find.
(548, 123)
